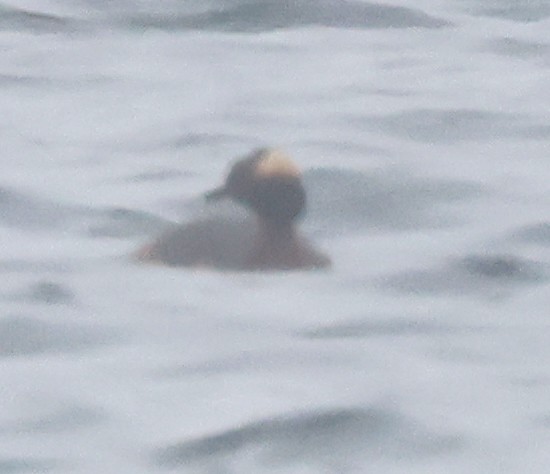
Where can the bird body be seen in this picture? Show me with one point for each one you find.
(269, 184)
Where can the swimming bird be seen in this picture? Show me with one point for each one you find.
(266, 182)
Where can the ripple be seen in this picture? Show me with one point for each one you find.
(538, 233)
(7, 80)
(268, 15)
(123, 223)
(34, 266)
(383, 328)
(67, 418)
(36, 213)
(347, 201)
(158, 175)
(531, 381)
(305, 436)
(452, 125)
(188, 140)
(22, 465)
(46, 292)
(517, 48)
(22, 335)
(471, 274)
(255, 361)
(502, 267)
(524, 12)
(25, 212)
(17, 19)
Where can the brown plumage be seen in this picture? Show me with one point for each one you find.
(266, 182)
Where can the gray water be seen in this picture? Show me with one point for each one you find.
(424, 134)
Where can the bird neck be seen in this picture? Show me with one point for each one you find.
(277, 245)
(276, 232)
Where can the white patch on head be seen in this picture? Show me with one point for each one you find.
(276, 163)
